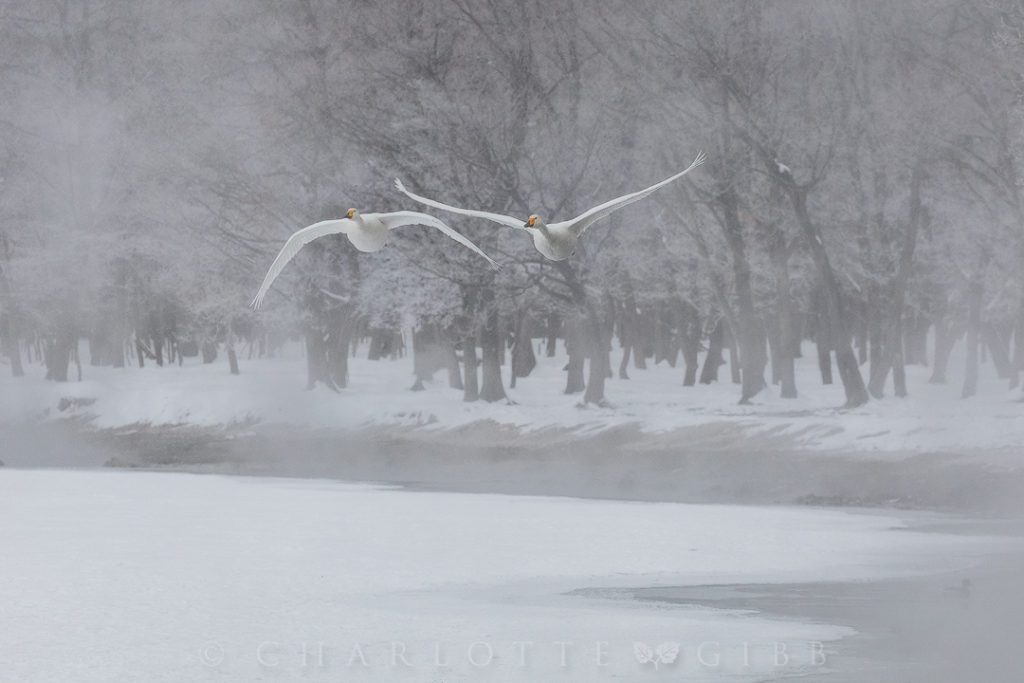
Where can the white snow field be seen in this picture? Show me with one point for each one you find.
(933, 418)
(138, 576)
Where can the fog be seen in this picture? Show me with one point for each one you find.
(825, 314)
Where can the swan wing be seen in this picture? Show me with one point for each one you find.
(292, 247)
(579, 224)
(397, 219)
(507, 221)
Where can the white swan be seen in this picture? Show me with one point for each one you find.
(366, 232)
(556, 241)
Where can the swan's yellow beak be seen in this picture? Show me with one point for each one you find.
(531, 221)
(350, 213)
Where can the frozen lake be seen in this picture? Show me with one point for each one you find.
(113, 575)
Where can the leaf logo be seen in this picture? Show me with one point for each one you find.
(666, 653)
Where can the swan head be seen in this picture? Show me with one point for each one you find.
(532, 221)
(351, 213)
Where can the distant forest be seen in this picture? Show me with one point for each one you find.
(863, 186)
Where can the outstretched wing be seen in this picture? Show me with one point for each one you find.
(582, 222)
(292, 247)
(397, 219)
(507, 221)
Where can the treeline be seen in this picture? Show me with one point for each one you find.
(862, 189)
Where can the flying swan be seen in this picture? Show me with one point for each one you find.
(367, 232)
(556, 241)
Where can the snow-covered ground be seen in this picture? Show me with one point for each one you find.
(133, 576)
(933, 418)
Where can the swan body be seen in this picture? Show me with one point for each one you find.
(370, 232)
(555, 241)
(367, 232)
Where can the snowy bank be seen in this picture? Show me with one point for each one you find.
(271, 391)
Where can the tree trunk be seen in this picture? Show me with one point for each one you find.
(735, 372)
(880, 363)
(9, 327)
(58, 355)
(338, 354)
(1018, 347)
(975, 293)
(314, 358)
(773, 351)
(471, 391)
(383, 343)
(891, 333)
(998, 343)
(642, 347)
(971, 373)
(427, 355)
(158, 349)
(714, 358)
(340, 324)
(822, 336)
(862, 334)
(209, 351)
(671, 334)
(690, 331)
(783, 370)
(824, 359)
(504, 339)
(232, 357)
(748, 336)
(899, 373)
(666, 347)
(624, 361)
(945, 339)
(577, 347)
(317, 365)
(554, 324)
(746, 327)
(846, 361)
(14, 353)
(491, 387)
(452, 363)
(11, 348)
(915, 339)
(599, 361)
(597, 340)
(630, 333)
(523, 358)
(786, 336)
